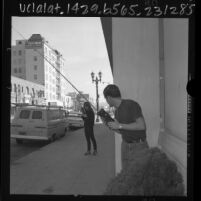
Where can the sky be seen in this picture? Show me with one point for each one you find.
(81, 42)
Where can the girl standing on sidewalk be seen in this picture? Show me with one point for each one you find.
(88, 117)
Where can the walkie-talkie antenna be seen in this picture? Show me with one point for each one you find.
(42, 55)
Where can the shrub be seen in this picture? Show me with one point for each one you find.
(150, 173)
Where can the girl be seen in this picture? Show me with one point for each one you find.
(88, 117)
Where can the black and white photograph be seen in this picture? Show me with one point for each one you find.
(99, 106)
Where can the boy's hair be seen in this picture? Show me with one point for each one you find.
(112, 90)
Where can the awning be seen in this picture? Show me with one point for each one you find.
(107, 31)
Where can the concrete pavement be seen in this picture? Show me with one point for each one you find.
(61, 168)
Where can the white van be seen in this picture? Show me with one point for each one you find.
(39, 123)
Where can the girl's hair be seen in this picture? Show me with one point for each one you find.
(87, 104)
(112, 90)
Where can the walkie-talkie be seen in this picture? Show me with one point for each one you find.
(106, 117)
(83, 110)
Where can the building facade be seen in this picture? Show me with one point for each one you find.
(149, 59)
(23, 91)
(36, 61)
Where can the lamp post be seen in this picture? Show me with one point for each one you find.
(96, 81)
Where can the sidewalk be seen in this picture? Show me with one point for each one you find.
(61, 168)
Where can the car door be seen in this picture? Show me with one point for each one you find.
(37, 124)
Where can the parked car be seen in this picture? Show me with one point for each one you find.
(75, 119)
(39, 123)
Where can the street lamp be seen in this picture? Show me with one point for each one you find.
(96, 80)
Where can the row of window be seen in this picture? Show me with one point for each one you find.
(50, 68)
(24, 114)
(20, 89)
(17, 70)
(19, 52)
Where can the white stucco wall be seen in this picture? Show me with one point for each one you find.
(135, 47)
(176, 72)
(174, 140)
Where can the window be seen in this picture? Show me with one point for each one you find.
(24, 114)
(15, 70)
(35, 67)
(20, 70)
(37, 115)
(15, 88)
(35, 58)
(20, 52)
(53, 114)
(35, 77)
(27, 90)
(19, 42)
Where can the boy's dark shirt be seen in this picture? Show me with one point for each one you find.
(89, 120)
(127, 113)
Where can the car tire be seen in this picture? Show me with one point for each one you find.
(19, 141)
(53, 138)
(67, 129)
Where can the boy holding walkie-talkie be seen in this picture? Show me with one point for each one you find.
(129, 122)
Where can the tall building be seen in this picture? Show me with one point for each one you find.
(36, 61)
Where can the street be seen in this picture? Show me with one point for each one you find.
(18, 151)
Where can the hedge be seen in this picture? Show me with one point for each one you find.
(150, 173)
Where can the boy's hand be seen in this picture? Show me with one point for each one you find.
(115, 125)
